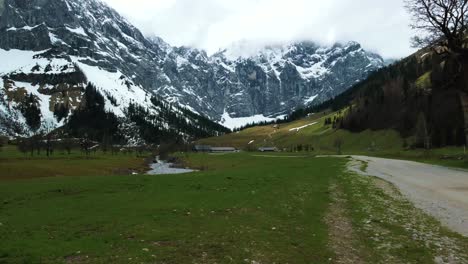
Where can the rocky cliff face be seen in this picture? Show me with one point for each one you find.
(273, 82)
(52, 48)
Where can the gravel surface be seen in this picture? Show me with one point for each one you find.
(439, 191)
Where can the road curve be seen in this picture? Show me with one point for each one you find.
(439, 191)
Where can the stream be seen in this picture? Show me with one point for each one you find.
(161, 167)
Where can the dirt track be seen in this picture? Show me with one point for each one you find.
(439, 191)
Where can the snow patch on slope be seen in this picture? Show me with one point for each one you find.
(311, 99)
(13, 60)
(297, 129)
(78, 31)
(20, 61)
(48, 117)
(23, 28)
(238, 122)
(114, 84)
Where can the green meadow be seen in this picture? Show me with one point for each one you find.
(239, 208)
(242, 208)
(15, 165)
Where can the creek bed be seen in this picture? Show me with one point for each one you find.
(161, 167)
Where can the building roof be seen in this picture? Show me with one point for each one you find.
(222, 149)
(204, 147)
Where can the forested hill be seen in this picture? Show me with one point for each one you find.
(420, 96)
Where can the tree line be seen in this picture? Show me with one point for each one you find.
(139, 126)
(422, 96)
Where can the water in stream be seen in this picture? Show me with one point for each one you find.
(162, 167)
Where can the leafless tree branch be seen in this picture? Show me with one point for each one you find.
(440, 22)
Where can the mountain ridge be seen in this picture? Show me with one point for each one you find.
(275, 81)
(129, 67)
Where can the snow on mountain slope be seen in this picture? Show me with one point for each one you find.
(87, 41)
(52, 59)
(274, 81)
(56, 81)
(24, 71)
(239, 122)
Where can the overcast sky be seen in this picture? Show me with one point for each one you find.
(379, 25)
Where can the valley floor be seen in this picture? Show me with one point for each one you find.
(239, 208)
(16, 166)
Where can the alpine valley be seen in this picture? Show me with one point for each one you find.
(54, 54)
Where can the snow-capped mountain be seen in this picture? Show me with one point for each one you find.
(53, 48)
(271, 83)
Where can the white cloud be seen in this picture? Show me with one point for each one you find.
(380, 26)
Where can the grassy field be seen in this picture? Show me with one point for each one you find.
(450, 156)
(314, 133)
(15, 165)
(243, 208)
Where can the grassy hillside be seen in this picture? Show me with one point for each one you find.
(321, 139)
(422, 96)
(313, 132)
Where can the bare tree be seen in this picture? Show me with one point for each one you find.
(423, 138)
(22, 145)
(49, 138)
(3, 142)
(35, 143)
(67, 144)
(441, 23)
(338, 144)
(86, 145)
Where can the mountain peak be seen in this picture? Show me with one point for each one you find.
(89, 41)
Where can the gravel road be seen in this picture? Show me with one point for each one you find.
(439, 191)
